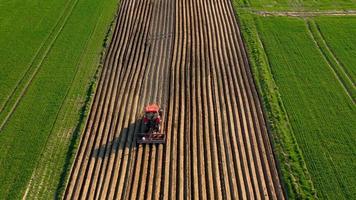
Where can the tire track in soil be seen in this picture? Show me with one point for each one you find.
(21, 87)
(187, 56)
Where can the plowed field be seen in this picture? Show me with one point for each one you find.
(188, 57)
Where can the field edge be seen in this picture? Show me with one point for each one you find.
(84, 114)
(295, 177)
(75, 119)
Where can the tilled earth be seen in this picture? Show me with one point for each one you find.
(187, 56)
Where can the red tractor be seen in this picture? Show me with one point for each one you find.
(152, 126)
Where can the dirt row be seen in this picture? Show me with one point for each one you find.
(188, 57)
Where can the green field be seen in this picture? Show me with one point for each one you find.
(20, 41)
(322, 116)
(304, 71)
(297, 5)
(339, 34)
(49, 57)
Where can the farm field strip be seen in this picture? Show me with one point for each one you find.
(308, 92)
(44, 181)
(187, 56)
(320, 112)
(38, 53)
(343, 77)
(22, 85)
(341, 44)
(18, 54)
(39, 137)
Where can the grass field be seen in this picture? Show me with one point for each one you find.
(52, 50)
(321, 114)
(304, 72)
(20, 41)
(297, 5)
(339, 34)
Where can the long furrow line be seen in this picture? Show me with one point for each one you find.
(210, 151)
(148, 152)
(260, 187)
(170, 157)
(209, 96)
(134, 56)
(128, 99)
(182, 172)
(225, 63)
(128, 117)
(148, 94)
(196, 188)
(204, 33)
(122, 129)
(218, 102)
(264, 146)
(188, 57)
(163, 40)
(204, 170)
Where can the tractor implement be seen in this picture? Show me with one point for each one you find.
(151, 138)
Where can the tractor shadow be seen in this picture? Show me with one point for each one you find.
(124, 140)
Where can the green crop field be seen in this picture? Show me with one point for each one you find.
(297, 5)
(304, 71)
(49, 55)
(339, 34)
(322, 115)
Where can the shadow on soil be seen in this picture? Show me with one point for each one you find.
(124, 139)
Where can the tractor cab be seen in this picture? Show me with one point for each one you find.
(152, 118)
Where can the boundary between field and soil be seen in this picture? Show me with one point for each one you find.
(73, 112)
(85, 112)
(83, 115)
(295, 176)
